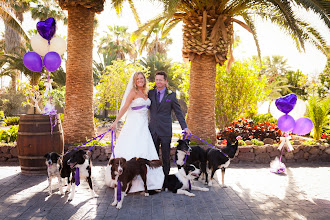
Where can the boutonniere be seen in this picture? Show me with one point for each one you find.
(169, 91)
(168, 100)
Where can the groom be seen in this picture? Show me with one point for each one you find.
(163, 101)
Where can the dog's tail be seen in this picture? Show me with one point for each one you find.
(154, 163)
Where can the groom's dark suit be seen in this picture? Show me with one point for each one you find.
(160, 124)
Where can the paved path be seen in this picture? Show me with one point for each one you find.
(252, 193)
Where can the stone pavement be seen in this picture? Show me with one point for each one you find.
(252, 192)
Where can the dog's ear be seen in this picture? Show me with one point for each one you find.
(111, 161)
(187, 141)
(46, 155)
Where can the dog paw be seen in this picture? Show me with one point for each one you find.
(118, 206)
(191, 194)
(223, 186)
(210, 183)
(114, 203)
(146, 194)
(69, 199)
(205, 189)
(95, 195)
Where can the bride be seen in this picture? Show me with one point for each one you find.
(135, 139)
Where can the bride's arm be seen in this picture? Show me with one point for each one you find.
(122, 111)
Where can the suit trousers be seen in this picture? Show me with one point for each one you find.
(165, 143)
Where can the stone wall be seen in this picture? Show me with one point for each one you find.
(248, 153)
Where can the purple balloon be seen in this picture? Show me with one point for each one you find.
(303, 126)
(47, 28)
(286, 104)
(32, 61)
(285, 123)
(52, 61)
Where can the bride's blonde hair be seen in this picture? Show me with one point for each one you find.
(145, 85)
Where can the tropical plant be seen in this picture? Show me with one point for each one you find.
(324, 78)
(208, 38)
(181, 74)
(317, 110)
(238, 91)
(275, 66)
(298, 83)
(116, 45)
(157, 62)
(44, 9)
(113, 84)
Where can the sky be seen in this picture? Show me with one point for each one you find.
(272, 41)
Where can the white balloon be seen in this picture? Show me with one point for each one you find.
(39, 45)
(274, 110)
(58, 45)
(263, 108)
(299, 109)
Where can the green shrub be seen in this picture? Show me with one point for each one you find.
(61, 117)
(93, 142)
(309, 142)
(7, 136)
(4, 136)
(2, 115)
(256, 142)
(241, 143)
(11, 121)
(13, 133)
(112, 117)
(263, 118)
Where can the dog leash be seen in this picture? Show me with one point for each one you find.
(184, 137)
(113, 139)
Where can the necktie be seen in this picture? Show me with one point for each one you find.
(158, 96)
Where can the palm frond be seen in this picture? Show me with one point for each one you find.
(146, 27)
(252, 28)
(136, 16)
(170, 26)
(10, 19)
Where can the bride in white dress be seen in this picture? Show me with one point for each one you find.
(135, 139)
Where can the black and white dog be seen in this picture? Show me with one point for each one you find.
(180, 183)
(54, 165)
(220, 159)
(195, 155)
(77, 159)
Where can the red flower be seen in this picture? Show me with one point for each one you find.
(251, 137)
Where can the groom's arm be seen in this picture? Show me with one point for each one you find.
(178, 112)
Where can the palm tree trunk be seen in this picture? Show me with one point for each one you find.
(12, 42)
(201, 111)
(78, 121)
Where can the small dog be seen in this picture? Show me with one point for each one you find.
(220, 159)
(77, 159)
(54, 165)
(125, 171)
(195, 155)
(180, 182)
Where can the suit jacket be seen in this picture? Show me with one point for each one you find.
(160, 113)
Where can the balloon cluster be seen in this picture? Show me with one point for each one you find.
(46, 45)
(289, 111)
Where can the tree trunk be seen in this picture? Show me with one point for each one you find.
(201, 111)
(78, 121)
(12, 42)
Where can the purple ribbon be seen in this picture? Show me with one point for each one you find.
(118, 190)
(140, 107)
(76, 177)
(184, 137)
(113, 139)
(189, 184)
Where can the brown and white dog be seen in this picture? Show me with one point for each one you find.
(125, 171)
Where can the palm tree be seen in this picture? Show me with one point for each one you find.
(12, 14)
(208, 39)
(78, 121)
(116, 45)
(275, 66)
(47, 8)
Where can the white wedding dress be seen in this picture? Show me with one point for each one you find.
(135, 141)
